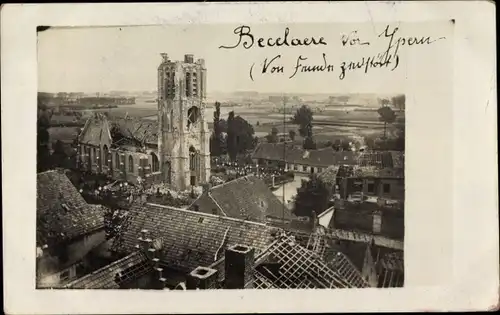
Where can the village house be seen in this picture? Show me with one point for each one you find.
(165, 247)
(296, 159)
(68, 229)
(377, 174)
(247, 198)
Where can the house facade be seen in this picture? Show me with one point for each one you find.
(68, 229)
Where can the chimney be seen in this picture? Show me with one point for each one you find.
(159, 282)
(202, 278)
(165, 57)
(188, 58)
(145, 244)
(314, 220)
(239, 260)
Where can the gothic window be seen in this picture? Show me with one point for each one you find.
(188, 84)
(130, 164)
(193, 115)
(171, 118)
(105, 156)
(192, 159)
(155, 163)
(94, 155)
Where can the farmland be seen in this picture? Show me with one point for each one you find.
(330, 123)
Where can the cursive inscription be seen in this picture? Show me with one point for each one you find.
(247, 40)
(388, 57)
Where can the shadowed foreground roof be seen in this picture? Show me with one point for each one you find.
(130, 267)
(188, 239)
(246, 198)
(61, 210)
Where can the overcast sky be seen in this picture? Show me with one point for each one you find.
(126, 58)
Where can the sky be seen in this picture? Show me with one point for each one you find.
(101, 59)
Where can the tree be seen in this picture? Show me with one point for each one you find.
(309, 143)
(303, 117)
(388, 116)
(273, 136)
(399, 101)
(240, 136)
(43, 138)
(292, 134)
(313, 195)
(231, 136)
(216, 138)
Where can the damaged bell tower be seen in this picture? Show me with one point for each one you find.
(183, 142)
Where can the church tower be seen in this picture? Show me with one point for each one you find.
(183, 142)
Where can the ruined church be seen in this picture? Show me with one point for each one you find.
(174, 149)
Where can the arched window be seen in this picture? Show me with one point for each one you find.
(155, 163)
(192, 158)
(105, 156)
(94, 155)
(117, 161)
(193, 115)
(130, 164)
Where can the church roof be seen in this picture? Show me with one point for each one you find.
(137, 129)
(143, 130)
(246, 198)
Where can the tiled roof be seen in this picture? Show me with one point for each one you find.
(132, 266)
(297, 155)
(142, 130)
(188, 239)
(61, 210)
(246, 198)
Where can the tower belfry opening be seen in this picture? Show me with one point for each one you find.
(183, 143)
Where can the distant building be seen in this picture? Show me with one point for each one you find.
(297, 159)
(247, 198)
(68, 229)
(377, 174)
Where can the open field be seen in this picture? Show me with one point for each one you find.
(329, 124)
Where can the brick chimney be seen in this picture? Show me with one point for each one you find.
(159, 281)
(145, 244)
(239, 261)
(202, 278)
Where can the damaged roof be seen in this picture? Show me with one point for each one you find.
(62, 213)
